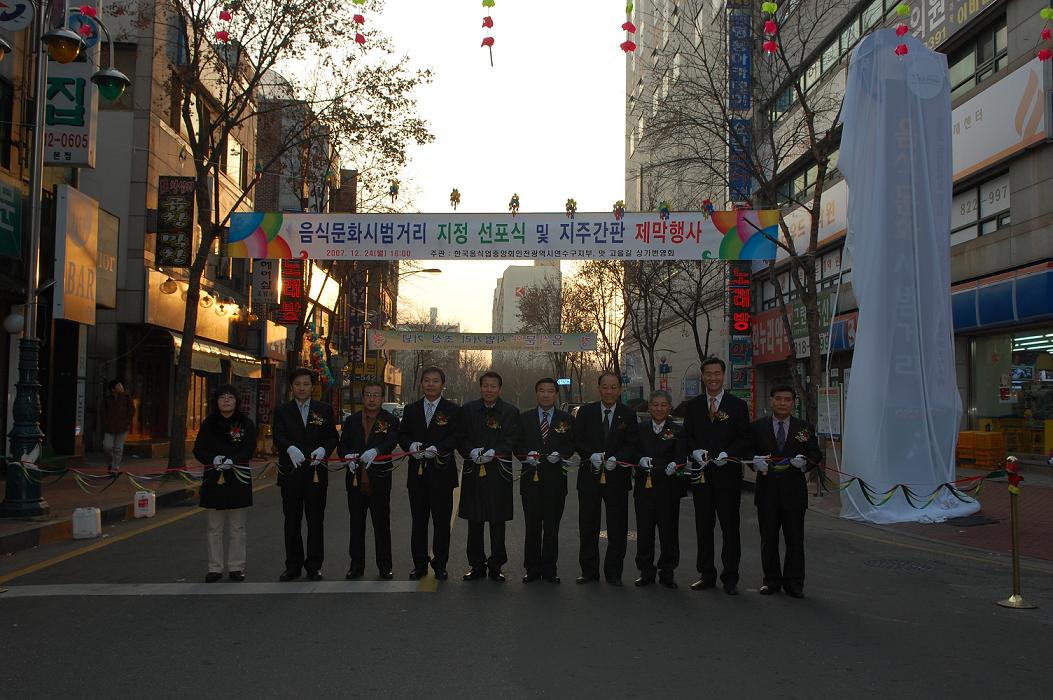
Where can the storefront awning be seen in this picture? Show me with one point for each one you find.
(206, 357)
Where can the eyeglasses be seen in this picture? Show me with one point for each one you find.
(372, 395)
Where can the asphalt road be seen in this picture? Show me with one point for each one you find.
(885, 616)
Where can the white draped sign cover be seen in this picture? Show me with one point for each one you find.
(903, 409)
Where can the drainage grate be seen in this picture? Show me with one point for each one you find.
(907, 565)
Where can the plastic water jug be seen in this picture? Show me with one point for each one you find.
(87, 523)
(145, 504)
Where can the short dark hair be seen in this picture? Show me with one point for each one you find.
(545, 380)
(608, 373)
(492, 375)
(714, 361)
(302, 372)
(112, 383)
(432, 369)
(378, 385)
(223, 390)
(779, 388)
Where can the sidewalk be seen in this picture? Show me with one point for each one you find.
(116, 503)
(1035, 512)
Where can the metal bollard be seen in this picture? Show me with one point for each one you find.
(1016, 600)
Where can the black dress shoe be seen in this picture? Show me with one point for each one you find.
(497, 576)
(289, 575)
(644, 581)
(530, 578)
(701, 585)
(314, 575)
(795, 594)
(586, 579)
(731, 589)
(616, 582)
(213, 576)
(237, 576)
(417, 574)
(441, 575)
(387, 575)
(474, 574)
(551, 579)
(669, 583)
(768, 590)
(352, 574)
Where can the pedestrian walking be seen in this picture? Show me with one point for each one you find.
(117, 413)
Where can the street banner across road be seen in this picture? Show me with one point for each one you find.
(728, 235)
(538, 342)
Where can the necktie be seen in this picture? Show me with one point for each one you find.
(712, 406)
(544, 427)
(303, 412)
(429, 410)
(606, 423)
(780, 437)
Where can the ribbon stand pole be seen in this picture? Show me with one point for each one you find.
(1016, 600)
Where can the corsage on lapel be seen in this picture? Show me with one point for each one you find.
(440, 418)
(380, 427)
(236, 433)
(492, 424)
(315, 419)
(561, 427)
(802, 436)
(720, 416)
(668, 434)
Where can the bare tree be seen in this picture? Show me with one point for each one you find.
(694, 291)
(647, 309)
(600, 294)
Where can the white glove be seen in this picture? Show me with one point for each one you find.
(414, 449)
(368, 456)
(800, 462)
(554, 458)
(610, 464)
(474, 454)
(228, 463)
(596, 460)
(574, 461)
(487, 456)
(670, 469)
(295, 455)
(761, 464)
(532, 458)
(431, 452)
(218, 460)
(645, 462)
(721, 459)
(351, 462)
(318, 455)
(700, 456)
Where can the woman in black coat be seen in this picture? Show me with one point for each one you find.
(227, 439)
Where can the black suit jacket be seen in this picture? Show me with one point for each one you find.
(289, 430)
(383, 437)
(622, 444)
(235, 439)
(551, 477)
(442, 433)
(488, 497)
(800, 439)
(663, 448)
(727, 432)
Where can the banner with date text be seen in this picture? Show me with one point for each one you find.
(728, 235)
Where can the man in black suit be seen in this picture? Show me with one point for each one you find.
(305, 434)
(716, 427)
(429, 433)
(658, 491)
(785, 448)
(606, 432)
(546, 442)
(489, 427)
(365, 436)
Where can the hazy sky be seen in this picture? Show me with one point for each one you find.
(546, 122)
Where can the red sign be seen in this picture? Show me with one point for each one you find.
(770, 341)
(739, 316)
(292, 293)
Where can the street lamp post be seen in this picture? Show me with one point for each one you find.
(23, 495)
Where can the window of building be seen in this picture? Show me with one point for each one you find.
(980, 57)
(980, 209)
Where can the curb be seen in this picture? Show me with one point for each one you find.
(62, 530)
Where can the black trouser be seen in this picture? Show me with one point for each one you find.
(616, 502)
(773, 514)
(378, 504)
(542, 514)
(300, 501)
(657, 510)
(713, 503)
(477, 558)
(437, 504)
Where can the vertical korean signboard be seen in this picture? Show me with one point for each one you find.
(175, 220)
(71, 113)
(740, 60)
(740, 328)
(293, 293)
(265, 275)
(10, 218)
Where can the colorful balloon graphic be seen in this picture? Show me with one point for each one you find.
(256, 236)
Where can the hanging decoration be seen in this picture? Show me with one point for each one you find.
(771, 27)
(707, 208)
(318, 363)
(619, 209)
(1046, 52)
(903, 10)
(455, 198)
(664, 208)
(513, 204)
(628, 46)
(393, 190)
(359, 20)
(224, 15)
(572, 208)
(488, 24)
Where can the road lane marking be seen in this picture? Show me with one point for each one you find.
(167, 589)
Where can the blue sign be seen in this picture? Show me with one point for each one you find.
(740, 146)
(740, 61)
(563, 381)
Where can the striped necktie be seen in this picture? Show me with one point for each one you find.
(544, 427)
(429, 410)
